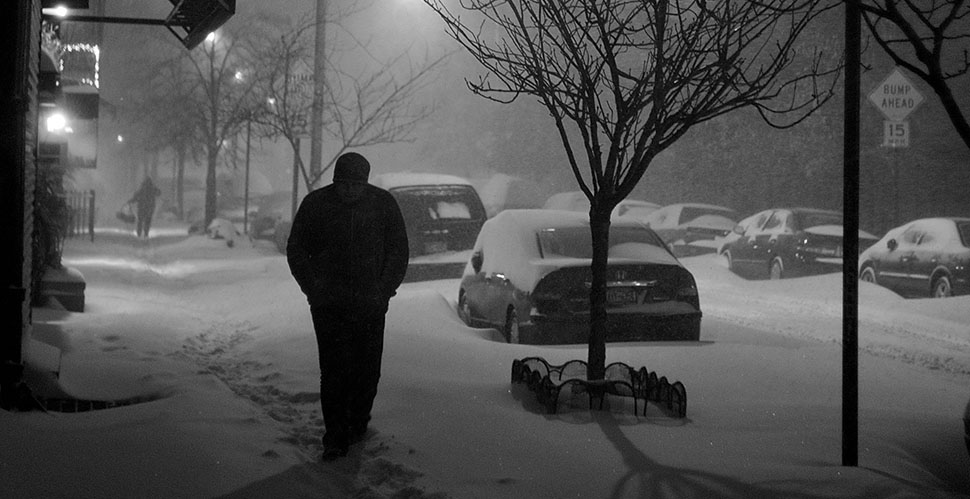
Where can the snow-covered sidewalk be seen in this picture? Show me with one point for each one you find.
(220, 338)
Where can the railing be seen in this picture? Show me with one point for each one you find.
(80, 213)
(547, 381)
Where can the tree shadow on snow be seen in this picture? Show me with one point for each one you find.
(645, 477)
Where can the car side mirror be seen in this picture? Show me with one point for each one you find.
(738, 230)
(477, 262)
(892, 244)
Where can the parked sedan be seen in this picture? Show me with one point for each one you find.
(927, 257)
(442, 212)
(692, 228)
(787, 242)
(529, 277)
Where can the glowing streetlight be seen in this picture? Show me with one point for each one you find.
(59, 11)
(239, 76)
(121, 139)
(211, 37)
(56, 122)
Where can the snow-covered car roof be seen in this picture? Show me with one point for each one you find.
(940, 226)
(572, 201)
(698, 205)
(671, 216)
(390, 181)
(508, 243)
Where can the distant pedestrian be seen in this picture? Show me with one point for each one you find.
(348, 251)
(144, 200)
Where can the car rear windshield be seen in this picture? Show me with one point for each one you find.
(964, 229)
(807, 220)
(440, 202)
(576, 242)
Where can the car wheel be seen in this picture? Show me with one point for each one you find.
(777, 270)
(464, 312)
(941, 287)
(868, 275)
(511, 326)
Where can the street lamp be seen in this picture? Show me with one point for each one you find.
(56, 122)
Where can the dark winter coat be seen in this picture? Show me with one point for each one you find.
(348, 254)
(145, 197)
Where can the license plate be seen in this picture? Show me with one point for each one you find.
(621, 296)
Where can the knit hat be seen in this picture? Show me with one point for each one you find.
(351, 167)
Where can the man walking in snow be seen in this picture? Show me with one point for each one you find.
(144, 199)
(348, 251)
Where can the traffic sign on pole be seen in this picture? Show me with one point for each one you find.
(896, 97)
(896, 134)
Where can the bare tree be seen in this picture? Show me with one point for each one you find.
(625, 79)
(377, 105)
(223, 72)
(928, 38)
(161, 110)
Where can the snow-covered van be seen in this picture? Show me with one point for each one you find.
(442, 212)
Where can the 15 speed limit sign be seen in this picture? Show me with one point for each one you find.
(895, 134)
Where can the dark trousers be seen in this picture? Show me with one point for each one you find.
(144, 222)
(350, 345)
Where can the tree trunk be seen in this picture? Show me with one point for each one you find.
(210, 184)
(180, 182)
(599, 225)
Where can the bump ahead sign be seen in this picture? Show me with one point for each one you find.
(896, 97)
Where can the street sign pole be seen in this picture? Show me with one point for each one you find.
(850, 253)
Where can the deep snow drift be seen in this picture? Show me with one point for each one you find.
(219, 340)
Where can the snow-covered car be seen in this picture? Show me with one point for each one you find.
(568, 201)
(787, 242)
(635, 209)
(507, 192)
(529, 277)
(270, 217)
(577, 201)
(926, 257)
(692, 228)
(442, 213)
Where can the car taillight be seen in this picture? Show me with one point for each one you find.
(687, 291)
(687, 287)
(547, 301)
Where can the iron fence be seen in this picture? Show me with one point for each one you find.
(81, 213)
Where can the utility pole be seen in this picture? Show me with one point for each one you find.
(850, 251)
(319, 87)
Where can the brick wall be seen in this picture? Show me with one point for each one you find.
(19, 35)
